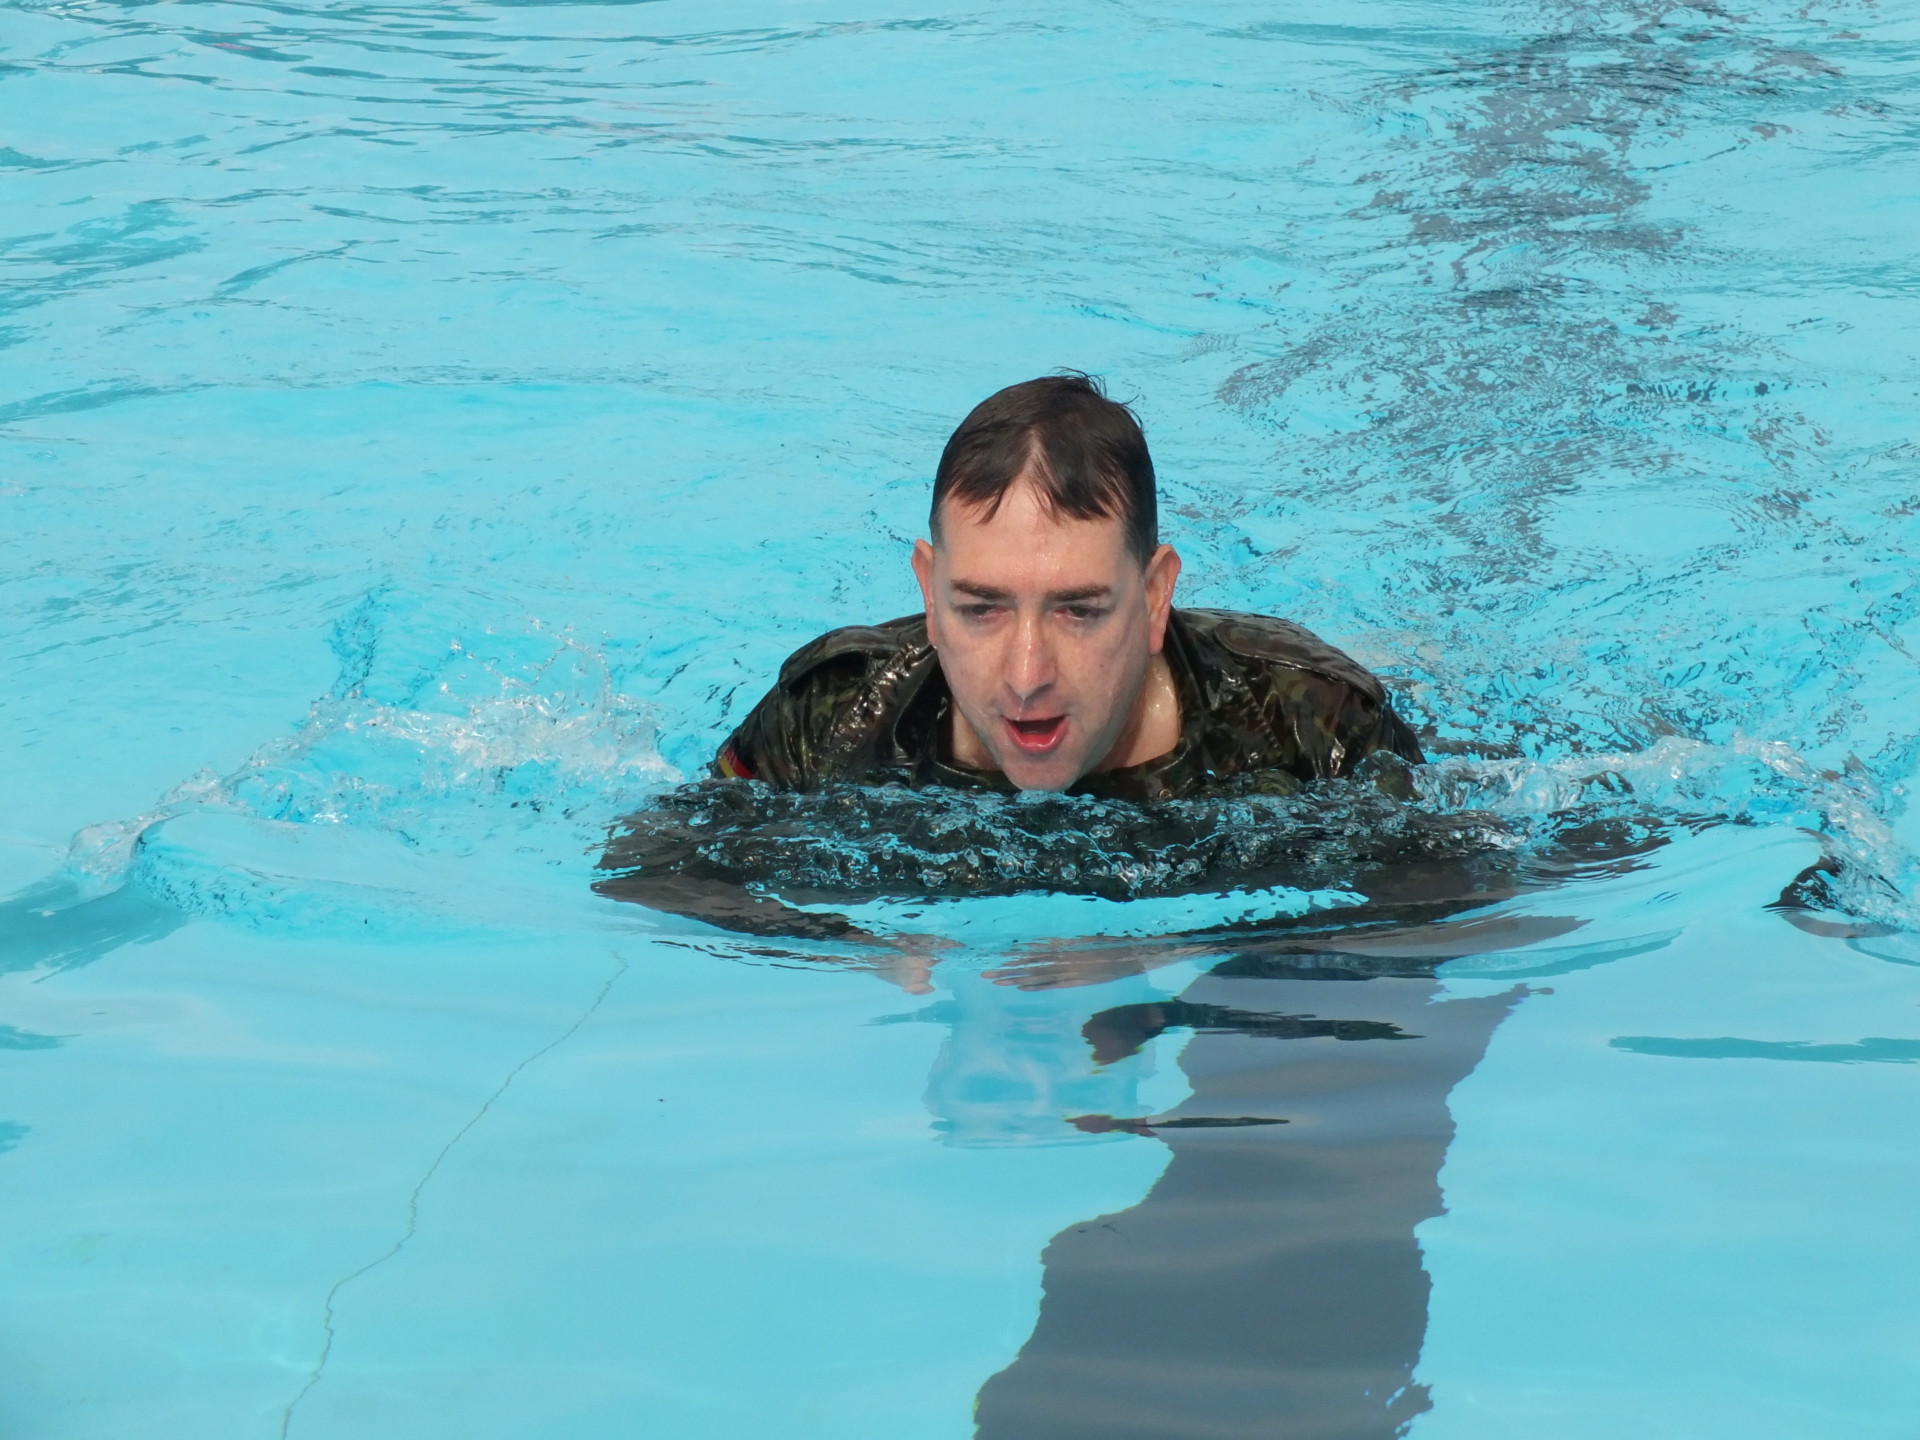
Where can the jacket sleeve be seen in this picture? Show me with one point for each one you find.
(1327, 727)
(1397, 736)
(1360, 727)
(784, 737)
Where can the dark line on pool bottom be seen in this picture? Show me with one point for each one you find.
(413, 1200)
(1875, 1049)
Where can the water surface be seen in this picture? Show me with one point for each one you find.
(423, 431)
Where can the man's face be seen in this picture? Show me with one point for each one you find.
(1046, 626)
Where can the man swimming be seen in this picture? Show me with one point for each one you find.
(1050, 655)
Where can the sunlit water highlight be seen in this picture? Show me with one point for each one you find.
(423, 432)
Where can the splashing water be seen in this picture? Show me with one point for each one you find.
(508, 747)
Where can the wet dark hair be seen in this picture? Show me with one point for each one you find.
(1087, 454)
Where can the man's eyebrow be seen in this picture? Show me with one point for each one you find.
(981, 592)
(1054, 597)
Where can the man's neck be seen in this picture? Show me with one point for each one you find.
(1154, 726)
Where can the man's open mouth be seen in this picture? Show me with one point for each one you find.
(1036, 737)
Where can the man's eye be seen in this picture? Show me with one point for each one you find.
(979, 610)
(1084, 612)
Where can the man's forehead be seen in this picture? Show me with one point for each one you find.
(1080, 556)
(1025, 518)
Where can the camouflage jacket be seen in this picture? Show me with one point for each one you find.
(1264, 705)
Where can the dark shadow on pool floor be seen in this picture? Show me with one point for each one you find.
(54, 926)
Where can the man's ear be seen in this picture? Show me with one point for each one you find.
(923, 572)
(1162, 571)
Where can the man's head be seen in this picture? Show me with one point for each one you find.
(1046, 588)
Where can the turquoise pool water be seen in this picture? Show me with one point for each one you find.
(423, 429)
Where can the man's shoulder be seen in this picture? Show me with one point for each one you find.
(832, 713)
(851, 647)
(1268, 642)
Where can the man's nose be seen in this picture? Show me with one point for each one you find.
(1030, 666)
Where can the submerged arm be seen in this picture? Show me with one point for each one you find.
(656, 861)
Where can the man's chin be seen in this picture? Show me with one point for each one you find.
(1041, 772)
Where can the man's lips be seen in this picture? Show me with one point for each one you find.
(1037, 737)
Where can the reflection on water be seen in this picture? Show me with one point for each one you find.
(1151, 1125)
(1270, 1284)
(1016, 1066)
(1121, 1031)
